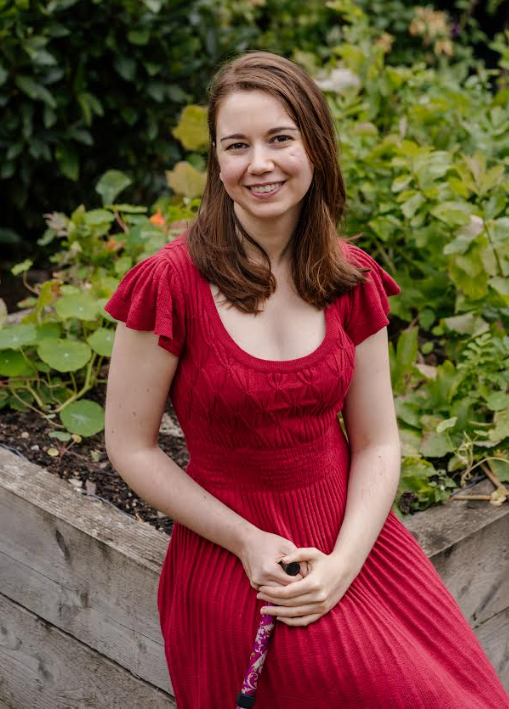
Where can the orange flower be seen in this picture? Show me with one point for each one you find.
(157, 219)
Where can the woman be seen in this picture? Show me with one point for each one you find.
(272, 475)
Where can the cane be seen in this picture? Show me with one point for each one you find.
(247, 695)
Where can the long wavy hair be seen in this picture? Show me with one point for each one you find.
(319, 270)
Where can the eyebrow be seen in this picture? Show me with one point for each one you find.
(269, 132)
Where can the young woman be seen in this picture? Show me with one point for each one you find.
(262, 325)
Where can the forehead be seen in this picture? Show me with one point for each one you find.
(251, 110)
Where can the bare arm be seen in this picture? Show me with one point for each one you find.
(139, 379)
(371, 425)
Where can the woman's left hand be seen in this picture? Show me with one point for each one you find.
(306, 601)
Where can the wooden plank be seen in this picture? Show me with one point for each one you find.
(468, 543)
(85, 567)
(493, 634)
(44, 668)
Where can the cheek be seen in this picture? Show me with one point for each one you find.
(298, 162)
(230, 171)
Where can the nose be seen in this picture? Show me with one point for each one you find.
(260, 160)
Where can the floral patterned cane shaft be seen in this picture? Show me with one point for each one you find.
(257, 659)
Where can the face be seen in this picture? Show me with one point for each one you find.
(250, 151)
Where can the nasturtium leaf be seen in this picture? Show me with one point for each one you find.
(13, 364)
(80, 305)
(83, 417)
(101, 341)
(48, 330)
(16, 336)
(64, 355)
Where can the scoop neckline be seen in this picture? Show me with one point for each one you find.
(259, 362)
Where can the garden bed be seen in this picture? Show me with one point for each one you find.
(78, 583)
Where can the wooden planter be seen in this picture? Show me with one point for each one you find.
(78, 581)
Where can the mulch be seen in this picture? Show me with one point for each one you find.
(85, 465)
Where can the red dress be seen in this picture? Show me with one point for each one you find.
(264, 438)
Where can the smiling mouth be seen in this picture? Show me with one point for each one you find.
(267, 189)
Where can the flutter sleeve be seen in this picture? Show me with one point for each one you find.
(368, 303)
(149, 297)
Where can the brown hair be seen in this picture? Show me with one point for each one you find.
(319, 271)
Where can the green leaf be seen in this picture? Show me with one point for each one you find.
(13, 364)
(453, 213)
(15, 337)
(84, 417)
(64, 355)
(125, 67)
(96, 217)
(34, 90)
(127, 208)
(101, 341)
(68, 161)
(81, 306)
(111, 184)
(436, 445)
(22, 267)
(407, 347)
(139, 37)
(498, 401)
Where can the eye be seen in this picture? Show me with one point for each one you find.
(233, 146)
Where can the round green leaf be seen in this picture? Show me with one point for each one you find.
(498, 401)
(13, 364)
(101, 341)
(83, 417)
(16, 336)
(81, 306)
(64, 355)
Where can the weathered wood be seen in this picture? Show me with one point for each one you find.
(468, 543)
(494, 634)
(44, 668)
(92, 572)
(82, 565)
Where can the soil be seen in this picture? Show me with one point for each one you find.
(85, 465)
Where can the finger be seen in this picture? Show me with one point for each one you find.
(300, 622)
(302, 554)
(291, 590)
(307, 599)
(289, 612)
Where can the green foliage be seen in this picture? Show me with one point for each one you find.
(425, 155)
(50, 361)
(86, 85)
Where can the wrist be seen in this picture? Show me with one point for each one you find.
(349, 564)
(245, 534)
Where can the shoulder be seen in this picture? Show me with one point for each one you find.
(176, 257)
(355, 255)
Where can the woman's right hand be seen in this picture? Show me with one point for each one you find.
(260, 557)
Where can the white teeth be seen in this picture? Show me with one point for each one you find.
(266, 188)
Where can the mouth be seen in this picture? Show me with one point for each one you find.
(264, 193)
